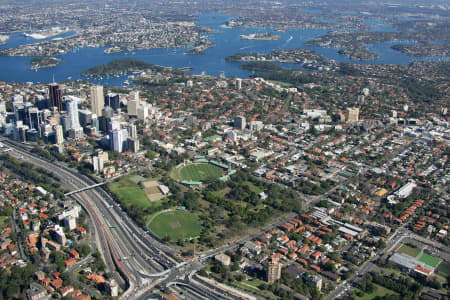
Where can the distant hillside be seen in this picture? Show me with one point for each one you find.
(261, 66)
(121, 65)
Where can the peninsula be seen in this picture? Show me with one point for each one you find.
(119, 66)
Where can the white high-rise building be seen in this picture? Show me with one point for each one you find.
(97, 163)
(117, 139)
(98, 100)
(133, 104)
(114, 124)
(142, 112)
(238, 83)
(72, 113)
(132, 107)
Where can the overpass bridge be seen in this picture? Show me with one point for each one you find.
(86, 188)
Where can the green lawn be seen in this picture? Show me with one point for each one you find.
(253, 187)
(130, 192)
(196, 172)
(176, 225)
(380, 292)
(444, 268)
(409, 250)
(4, 221)
(429, 260)
(252, 286)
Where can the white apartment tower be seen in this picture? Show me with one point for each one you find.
(59, 136)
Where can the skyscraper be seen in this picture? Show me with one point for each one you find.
(55, 95)
(72, 113)
(239, 122)
(112, 100)
(98, 101)
(274, 271)
(238, 83)
(59, 137)
(118, 139)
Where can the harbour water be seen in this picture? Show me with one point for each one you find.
(212, 63)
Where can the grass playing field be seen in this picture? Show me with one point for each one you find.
(197, 172)
(130, 192)
(409, 250)
(176, 225)
(428, 260)
(444, 268)
(379, 292)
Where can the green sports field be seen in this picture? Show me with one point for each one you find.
(444, 268)
(176, 225)
(196, 172)
(129, 191)
(428, 260)
(408, 250)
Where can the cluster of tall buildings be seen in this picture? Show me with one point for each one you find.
(59, 117)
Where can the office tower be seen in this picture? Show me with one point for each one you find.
(142, 112)
(85, 117)
(132, 131)
(239, 122)
(118, 139)
(132, 108)
(97, 100)
(114, 123)
(72, 114)
(256, 125)
(133, 144)
(112, 100)
(35, 118)
(65, 122)
(238, 83)
(274, 271)
(20, 113)
(59, 137)
(94, 122)
(353, 114)
(55, 95)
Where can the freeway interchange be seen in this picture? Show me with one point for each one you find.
(135, 257)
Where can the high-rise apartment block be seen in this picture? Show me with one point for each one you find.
(274, 271)
(98, 101)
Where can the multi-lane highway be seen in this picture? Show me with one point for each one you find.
(135, 257)
(130, 253)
